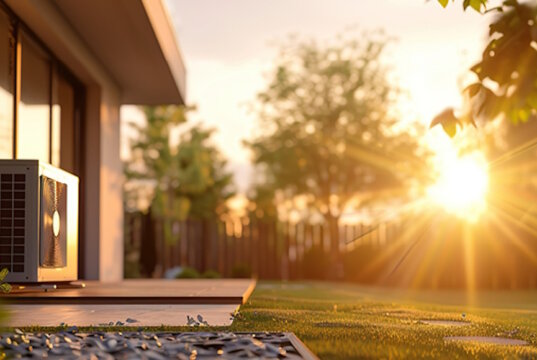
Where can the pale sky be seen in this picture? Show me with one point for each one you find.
(228, 47)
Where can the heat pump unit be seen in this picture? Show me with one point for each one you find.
(38, 222)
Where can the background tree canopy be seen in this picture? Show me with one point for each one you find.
(187, 179)
(326, 126)
(506, 75)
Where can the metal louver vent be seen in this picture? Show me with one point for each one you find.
(53, 240)
(12, 221)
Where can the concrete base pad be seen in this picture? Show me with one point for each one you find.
(149, 302)
(144, 315)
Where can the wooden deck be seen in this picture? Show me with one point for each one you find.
(148, 302)
(147, 291)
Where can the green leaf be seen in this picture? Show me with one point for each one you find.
(478, 70)
(523, 115)
(473, 89)
(448, 120)
(443, 3)
(3, 273)
(476, 5)
(5, 287)
(450, 128)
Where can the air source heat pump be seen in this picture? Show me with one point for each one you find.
(38, 222)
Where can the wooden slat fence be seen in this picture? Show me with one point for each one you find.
(392, 253)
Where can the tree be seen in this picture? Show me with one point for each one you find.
(262, 200)
(153, 165)
(327, 129)
(187, 179)
(204, 182)
(506, 76)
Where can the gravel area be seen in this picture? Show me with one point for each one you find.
(70, 344)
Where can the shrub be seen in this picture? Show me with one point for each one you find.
(241, 271)
(211, 274)
(188, 273)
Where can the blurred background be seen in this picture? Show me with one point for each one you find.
(307, 151)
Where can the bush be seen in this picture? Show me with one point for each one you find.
(188, 273)
(241, 271)
(211, 274)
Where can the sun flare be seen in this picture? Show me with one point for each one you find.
(462, 185)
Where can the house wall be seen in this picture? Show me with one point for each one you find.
(102, 174)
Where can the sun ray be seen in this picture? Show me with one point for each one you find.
(428, 262)
(514, 219)
(530, 144)
(403, 239)
(468, 243)
(500, 218)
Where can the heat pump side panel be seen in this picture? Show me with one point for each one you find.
(70, 271)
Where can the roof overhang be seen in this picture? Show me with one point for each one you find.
(134, 41)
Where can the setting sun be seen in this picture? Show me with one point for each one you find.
(462, 185)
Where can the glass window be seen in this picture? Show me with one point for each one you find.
(7, 68)
(43, 123)
(63, 124)
(33, 126)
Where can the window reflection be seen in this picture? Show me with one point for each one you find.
(33, 127)
(6, 87)
(63, 125)
(45, 126)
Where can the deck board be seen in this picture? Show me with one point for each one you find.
(146, 291)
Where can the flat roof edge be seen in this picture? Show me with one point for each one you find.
(161, 22)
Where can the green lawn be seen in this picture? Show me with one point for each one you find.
(338, 321)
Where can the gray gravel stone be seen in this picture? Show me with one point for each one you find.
(70, 344)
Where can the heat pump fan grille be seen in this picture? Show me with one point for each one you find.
(53, 242)
(12, 208)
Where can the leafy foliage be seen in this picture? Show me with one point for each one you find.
(153, 158)
(211, 274)
(241, 271)
(477, 5)
(326, 128)
(4, 286)
(506, 83)
(188, 273)
(204, 183)
(188, 179)
(263, 197)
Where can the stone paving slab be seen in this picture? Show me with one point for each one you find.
(139, 315)
(494, 340)
(142, 345)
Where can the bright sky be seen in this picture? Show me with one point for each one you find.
(228, 47)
